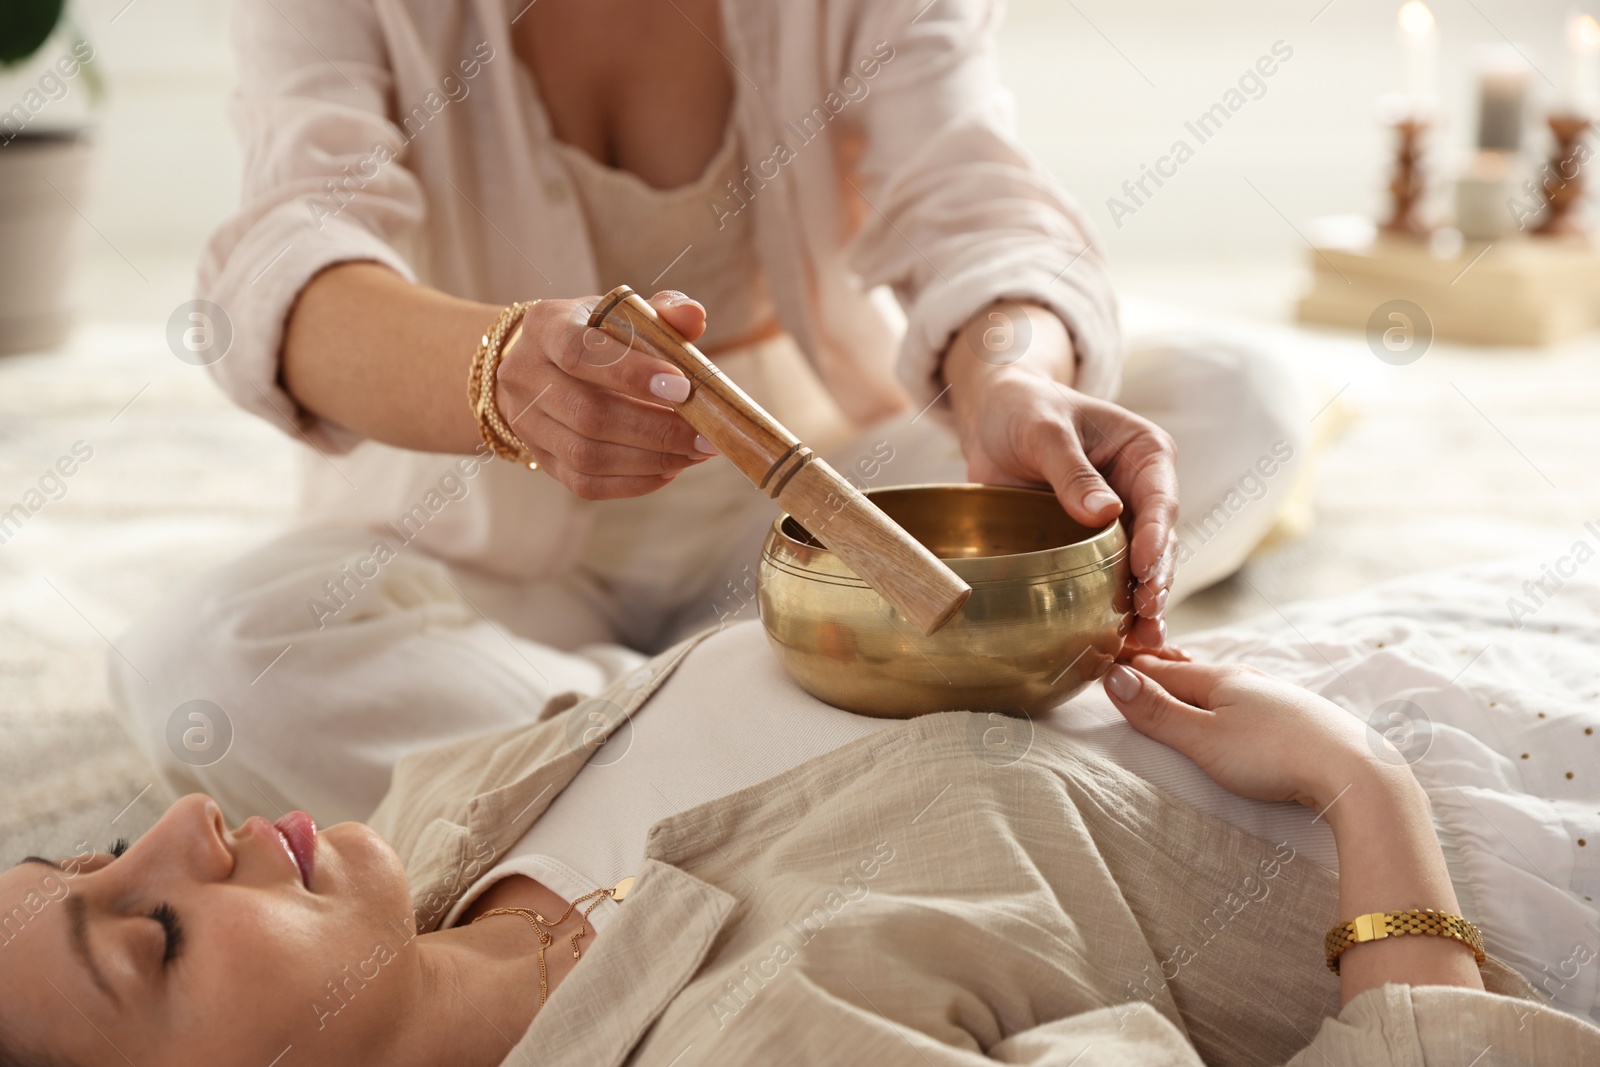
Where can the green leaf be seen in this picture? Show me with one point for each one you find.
(24, 26)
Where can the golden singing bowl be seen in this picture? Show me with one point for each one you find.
(1051, 600)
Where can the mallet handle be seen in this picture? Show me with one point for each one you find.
(909, 577)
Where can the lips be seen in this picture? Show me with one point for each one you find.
(299, 834)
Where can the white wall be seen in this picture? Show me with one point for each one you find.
(166, 168)
(1312, 144)
(169, 167)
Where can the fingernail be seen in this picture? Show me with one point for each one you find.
(1154, 604)
(675, 299)
(703, 445)
(673, 387)
(1098, 499)
(669, 475)
(1154, 565)
(1122, 682)
(1161, 631)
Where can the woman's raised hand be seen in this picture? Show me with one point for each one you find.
(596, 412)
(1009, 373)
(1255, 735)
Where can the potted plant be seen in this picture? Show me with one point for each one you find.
(49, 90)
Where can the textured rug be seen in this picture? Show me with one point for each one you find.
(1457, 457)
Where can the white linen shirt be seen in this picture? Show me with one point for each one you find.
(881, 169)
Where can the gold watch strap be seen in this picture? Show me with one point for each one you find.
(1381, 924)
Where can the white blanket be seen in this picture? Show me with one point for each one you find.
(1492, 690)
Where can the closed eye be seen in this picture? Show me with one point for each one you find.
(168, 919)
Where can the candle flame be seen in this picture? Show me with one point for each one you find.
(1415, 18)
(1584, 33)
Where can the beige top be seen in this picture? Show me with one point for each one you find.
(910, 899)
(654, 239)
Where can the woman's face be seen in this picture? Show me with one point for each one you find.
(204, 945)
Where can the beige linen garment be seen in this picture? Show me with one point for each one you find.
(890, 198)
(920, 898)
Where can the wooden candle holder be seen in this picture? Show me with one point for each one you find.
(1563, 180)
(1410, 183)
(897, 566)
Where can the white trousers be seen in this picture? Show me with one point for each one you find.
(244, 693)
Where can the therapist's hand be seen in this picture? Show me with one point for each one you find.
(1021, 423)
(595, 412)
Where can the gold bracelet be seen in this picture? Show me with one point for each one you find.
(481, 381)
(1383, 924)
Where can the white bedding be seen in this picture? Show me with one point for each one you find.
(1504, 732)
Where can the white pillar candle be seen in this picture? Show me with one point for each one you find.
(1419, 42)
(1579, 92)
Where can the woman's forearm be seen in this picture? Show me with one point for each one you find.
(1389, 860)
(1003, 335)
(385, 357)
(388, 359)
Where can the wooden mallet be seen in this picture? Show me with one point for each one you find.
(910, 578)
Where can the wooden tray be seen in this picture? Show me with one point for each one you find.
(1519, 290)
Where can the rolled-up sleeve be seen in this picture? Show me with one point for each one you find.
(324, 183)
(961, 214)
(1424, 1026)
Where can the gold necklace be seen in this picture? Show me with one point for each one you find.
(543, 926)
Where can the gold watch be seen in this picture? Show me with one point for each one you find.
(1383, 924)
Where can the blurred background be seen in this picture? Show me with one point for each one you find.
(1102, 88)
(1468, 452)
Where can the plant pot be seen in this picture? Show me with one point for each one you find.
(42, 177)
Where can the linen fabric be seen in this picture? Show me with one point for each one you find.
(917, 898)
(676, 752)
(732, 719)
(406, 132)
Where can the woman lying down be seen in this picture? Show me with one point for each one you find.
(823, 889)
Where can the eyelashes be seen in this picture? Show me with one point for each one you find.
(162, 913)
(168, 919)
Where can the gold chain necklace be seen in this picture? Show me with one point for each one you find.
(543, 926)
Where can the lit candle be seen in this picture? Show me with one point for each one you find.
(1419, 39)
(1583, 45)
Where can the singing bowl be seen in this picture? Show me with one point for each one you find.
(1051, 600)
